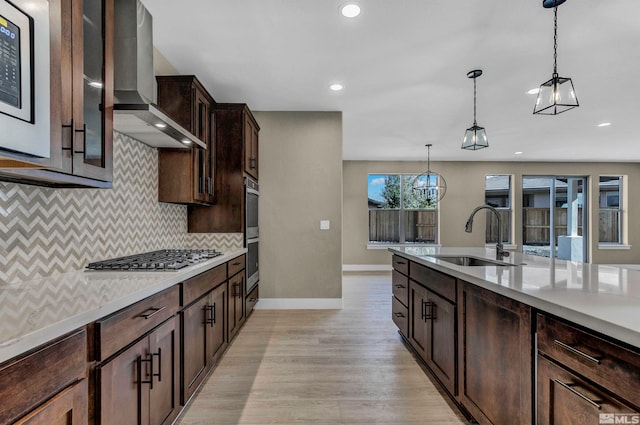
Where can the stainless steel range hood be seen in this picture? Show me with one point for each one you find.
(135, 111)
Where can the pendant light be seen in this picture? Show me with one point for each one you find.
(475, 137)
(556, 95)
(430, 185)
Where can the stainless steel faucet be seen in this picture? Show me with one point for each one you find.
(500, 252)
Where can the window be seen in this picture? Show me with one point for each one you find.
(497, 193)
(397, 213)
(610, 215)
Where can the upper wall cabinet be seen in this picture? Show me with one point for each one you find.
(81, 100)
(236, 135)
(186, 176)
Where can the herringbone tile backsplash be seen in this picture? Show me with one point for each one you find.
(46, 231)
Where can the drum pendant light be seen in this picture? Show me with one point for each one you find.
(430, 185)
(556, 95)
(475, 137)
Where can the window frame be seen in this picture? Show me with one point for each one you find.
(619, 211)
(402, 222)
(509, 209)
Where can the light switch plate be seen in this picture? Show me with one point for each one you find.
(325, 224)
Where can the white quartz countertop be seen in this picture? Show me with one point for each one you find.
(35, 312)
(603, 298)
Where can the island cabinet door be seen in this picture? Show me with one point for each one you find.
(565, 399)
(441, 355)
(418, 322)
(495, 357)
(216, 324)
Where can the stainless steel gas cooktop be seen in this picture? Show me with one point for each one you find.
(162, 260)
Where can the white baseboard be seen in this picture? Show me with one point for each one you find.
(299, 304)
(366, 267)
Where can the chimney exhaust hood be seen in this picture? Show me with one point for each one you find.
(134, 110)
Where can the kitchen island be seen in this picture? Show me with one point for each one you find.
(524, 338)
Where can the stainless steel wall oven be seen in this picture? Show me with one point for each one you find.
(251, 232)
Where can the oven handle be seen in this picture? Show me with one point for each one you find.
(252, 191)
(253, 240)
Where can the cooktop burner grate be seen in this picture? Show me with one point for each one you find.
(162, 260)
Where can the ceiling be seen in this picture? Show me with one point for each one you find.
(403, 65)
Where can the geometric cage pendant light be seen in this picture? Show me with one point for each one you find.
(556, 95)
(429, 186)
(475, 137)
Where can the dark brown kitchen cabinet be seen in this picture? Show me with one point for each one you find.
(203, 338)
(187, 176)
(565, 398)
(250, 146)
(581, 374)
(140, 385)
(46, 384)
(495, 357)
(67, 408)
(81, 48)
(236, 303)
(432, 332)
(235, 131)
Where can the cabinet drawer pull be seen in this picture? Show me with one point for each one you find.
(400, 315)
(576, 351)
(579, 394)
(237, 263)
(253, 300)
(149, 313)
(400, 286)
(400, 262)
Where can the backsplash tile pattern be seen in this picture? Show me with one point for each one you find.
(223, 241)
(46, 231)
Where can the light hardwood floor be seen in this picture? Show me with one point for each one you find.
(322, 367)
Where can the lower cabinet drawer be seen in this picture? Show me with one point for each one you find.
(400, 264)
(252, 300)
(29, 381)
(236, 265)
(565, 398)
(400, 287)
(121, 328)
(195, 287)
(604, 362)
(400, 316)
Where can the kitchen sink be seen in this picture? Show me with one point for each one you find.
(466, 260)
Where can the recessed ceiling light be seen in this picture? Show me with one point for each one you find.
(336, 87)
(604, 124)
(160, 125)
(534, 91)
(350, 10)
(517, 153)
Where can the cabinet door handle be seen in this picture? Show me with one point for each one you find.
(149, 313)
(576, 351)
(398, 314)
(150, 374)
(210, 179)
(84, 138)
(579, 394)
(209, 319)
(428, 310)
(68, 146)
(252, 162)
(159, 374)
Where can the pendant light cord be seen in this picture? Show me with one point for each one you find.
(555, 40)
(474, 101)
